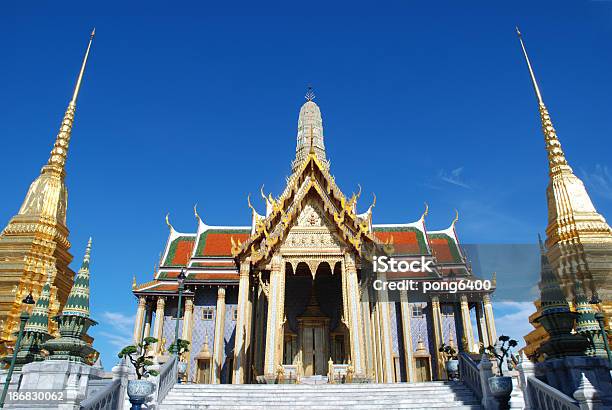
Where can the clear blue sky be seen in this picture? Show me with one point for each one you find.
(422, 101)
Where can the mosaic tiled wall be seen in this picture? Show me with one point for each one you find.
(420, 329)
(393, 313)
(204, 299)
(449, 325)
(231, 303)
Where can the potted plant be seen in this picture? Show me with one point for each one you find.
(183, 347)
(500, 385)
(452, 361)
(138, 390)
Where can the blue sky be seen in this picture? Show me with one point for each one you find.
(422, 101)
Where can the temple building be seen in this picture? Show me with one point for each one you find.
(578, 238)
(290, 296)
(35, 241)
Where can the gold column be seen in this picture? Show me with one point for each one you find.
(385, 332)
(407, 335)
(276, 310)
(354, 315)
(240, 345)
(187, 329)
(483, 335)
(218, 344)
(159, 322)
(437, 322)
(139, 322)
(466, 322)
(489, 319)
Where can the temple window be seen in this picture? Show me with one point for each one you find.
(208, 313)
(417, 311)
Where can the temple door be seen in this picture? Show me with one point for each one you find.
(308, 350)
(423, 373)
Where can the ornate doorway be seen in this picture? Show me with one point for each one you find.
(314, 337)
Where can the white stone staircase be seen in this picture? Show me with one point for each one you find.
(431, 395)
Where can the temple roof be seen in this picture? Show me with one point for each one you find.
(213, 253)
(216, 240)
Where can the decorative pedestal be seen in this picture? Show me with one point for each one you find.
(62, 376)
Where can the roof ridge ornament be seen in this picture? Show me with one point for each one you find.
(168, 222)
(425, 212)
(456, 219)
(310, 95)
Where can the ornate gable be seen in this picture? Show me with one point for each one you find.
(313, 231)
(311, 180)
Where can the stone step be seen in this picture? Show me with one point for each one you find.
(430, 395)
(324, 399)
(368, 406)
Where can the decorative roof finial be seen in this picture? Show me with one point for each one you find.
(310, 95)
(556, 158)
(251, 205)
(536, 88)
(168, 222)
(195, 212)
(59, 153)
(77, 86)
(426, 211)
(456, 218)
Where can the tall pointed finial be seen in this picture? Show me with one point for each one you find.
(310, 95)
(536, 88)
(556, 158)
(59, 153)
(77, 86)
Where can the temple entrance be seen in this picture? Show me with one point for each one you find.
(313, 311)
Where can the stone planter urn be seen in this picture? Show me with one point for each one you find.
(452, 369)
(501, 387)
(138, 391)
(182, 369)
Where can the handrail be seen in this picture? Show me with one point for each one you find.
(545, 397)
(106, 398)
(469, 374)
(168, 376)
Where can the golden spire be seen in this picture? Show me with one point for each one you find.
(556, 158)
(57, 159)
